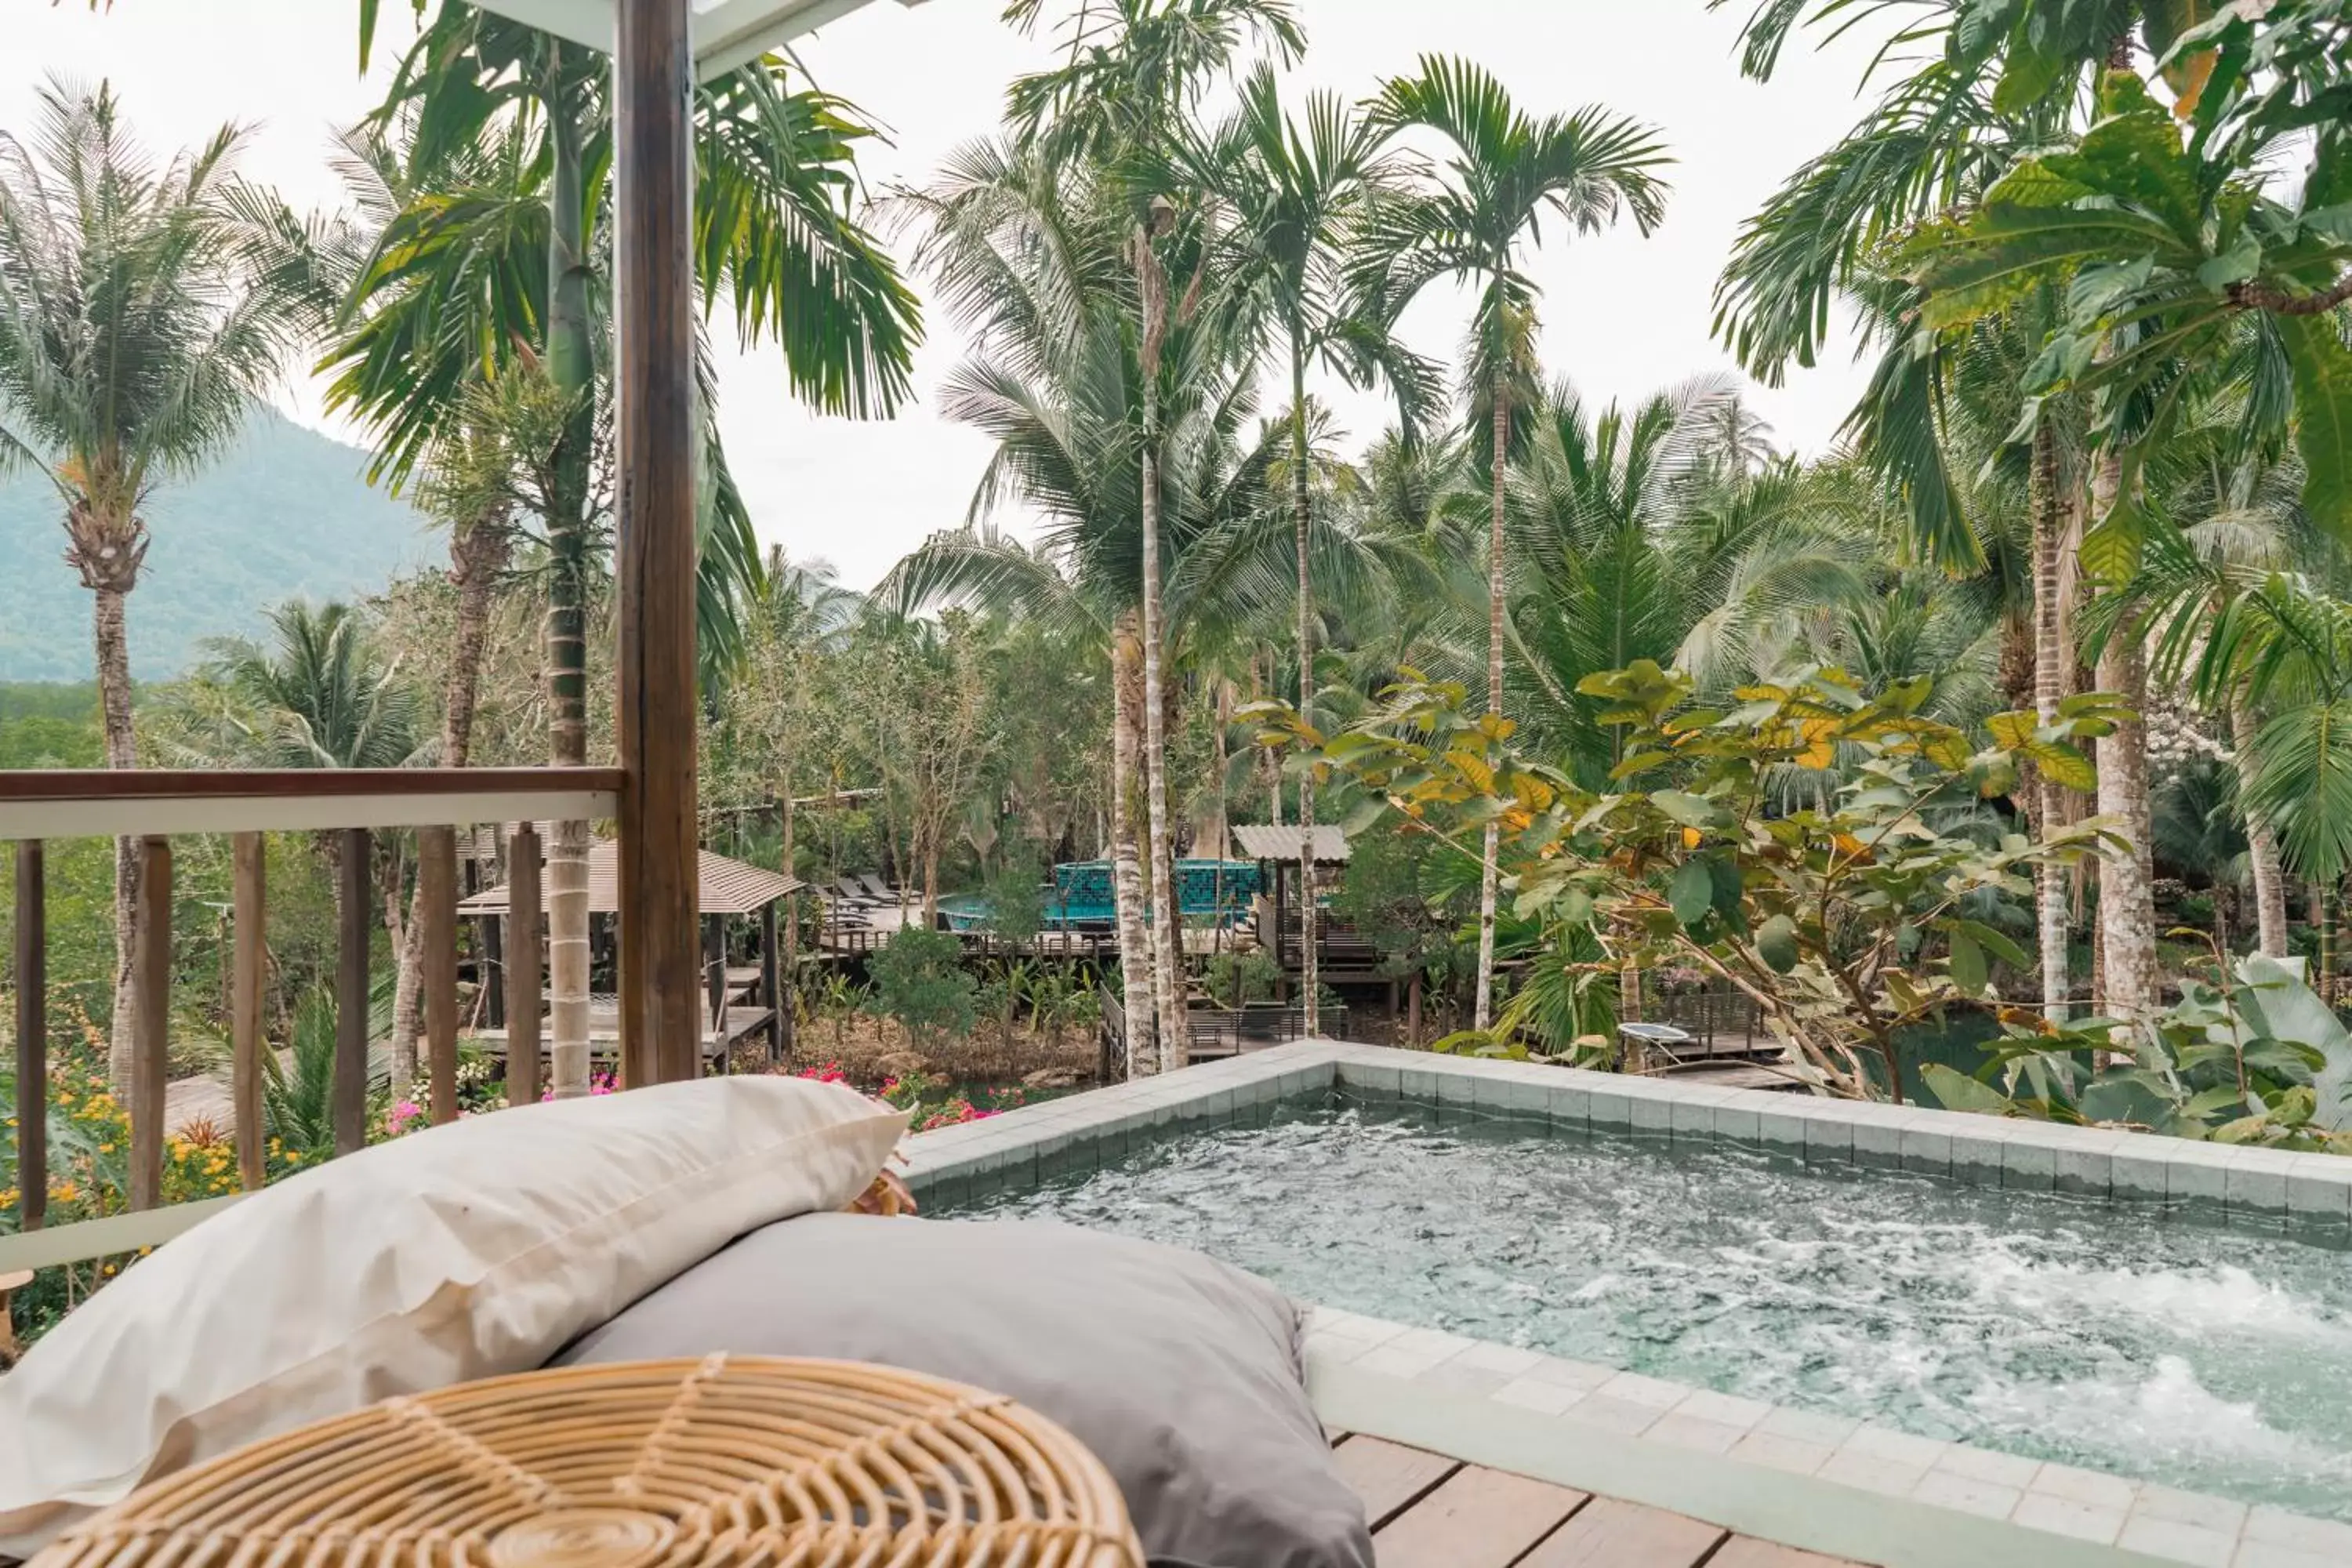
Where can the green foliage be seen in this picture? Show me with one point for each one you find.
(1235, 978)
(297, 1094)
(1825, 915)
(919, 980)
(2260, 1060)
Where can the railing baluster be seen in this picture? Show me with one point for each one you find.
(522, 953)
(248, 976)
(437, 876)
(151, 1028)
(32, 1039)
(358, 928)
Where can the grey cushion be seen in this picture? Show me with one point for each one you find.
(1180, 1373)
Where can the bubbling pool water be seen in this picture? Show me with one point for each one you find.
(2117, 1338)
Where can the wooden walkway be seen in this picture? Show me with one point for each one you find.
(1430, 1511)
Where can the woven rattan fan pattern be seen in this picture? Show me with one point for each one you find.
(731, 1461)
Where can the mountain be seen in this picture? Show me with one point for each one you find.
(285, 513)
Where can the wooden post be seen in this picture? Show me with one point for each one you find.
(654, 376)
(32, 1039)
(249, 973)
(151, 1021)
(358, 928)
(436, 887)
(523, 966)
(491, 932)
(780, 1007)
(714, 961)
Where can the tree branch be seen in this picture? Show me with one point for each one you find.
(2263, 297)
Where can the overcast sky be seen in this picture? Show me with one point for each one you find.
(1622, 315)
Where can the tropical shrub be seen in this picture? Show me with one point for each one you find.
(919, 980)
(2258, 1060)
(1235, 978)
(1845, 914)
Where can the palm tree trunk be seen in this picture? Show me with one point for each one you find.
(1309, 981)
(2053, 654)
(2261, 845)
(478, 554)
(122, 751)
(1135, 958)
(570, 351)
(2126, 878)
(2323, 920)
(1490, 863)
(1167, 936)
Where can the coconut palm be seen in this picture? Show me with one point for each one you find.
(1123, 101)
(1297, 189)
(469, 280)
(315, 695)
(135, 334)
(1507, 172)
(1632, 536)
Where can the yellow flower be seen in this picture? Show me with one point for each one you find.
(109, 1148)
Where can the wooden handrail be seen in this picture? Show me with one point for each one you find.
(144, 802)
(205, 784)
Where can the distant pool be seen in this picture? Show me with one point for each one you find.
(1081, 895)
(2099, 1335)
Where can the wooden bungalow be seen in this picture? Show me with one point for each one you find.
(1343, 955)
(738, 1002)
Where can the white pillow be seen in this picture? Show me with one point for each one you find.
(462, 1252)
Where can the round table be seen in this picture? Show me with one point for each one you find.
(750, 1460)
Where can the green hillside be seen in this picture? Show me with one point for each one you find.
(285, 514)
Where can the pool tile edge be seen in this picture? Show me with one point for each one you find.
(1820, 1483)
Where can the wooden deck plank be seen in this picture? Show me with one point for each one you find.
(1477, 1519)
(1746, 1552)
(1610, 1534)
(1388, 1476)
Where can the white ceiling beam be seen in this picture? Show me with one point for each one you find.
(726, 33)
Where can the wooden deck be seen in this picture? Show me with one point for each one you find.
(1430, 1511)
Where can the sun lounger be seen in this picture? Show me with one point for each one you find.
(880, 890)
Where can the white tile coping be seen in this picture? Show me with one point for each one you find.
(2060, 1512)
(1371, 1375)
(2265, 1188)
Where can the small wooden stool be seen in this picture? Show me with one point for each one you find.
(741, 1461)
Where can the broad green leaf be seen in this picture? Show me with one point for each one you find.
(1690, 810)
(1968, 966)
(2136, 157)
(1575, 908)
(1691, 893)
(2322, 417)
(1776, 944)
(2063, 764)
(2012, 730)
(1995, 943)
(1957, 1091)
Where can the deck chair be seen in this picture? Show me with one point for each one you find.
(878, 889)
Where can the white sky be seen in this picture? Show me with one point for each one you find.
(1622, 315)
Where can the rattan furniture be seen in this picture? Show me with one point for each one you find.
(742, 1460)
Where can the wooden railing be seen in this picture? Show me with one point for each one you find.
(149, 809)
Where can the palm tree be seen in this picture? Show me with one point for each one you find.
(1297, 190)
(315, 696)
(1123, 101)
(1632, 535)
(134, 336)
(1508, 173)
(1030, 254)
(467, 281)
